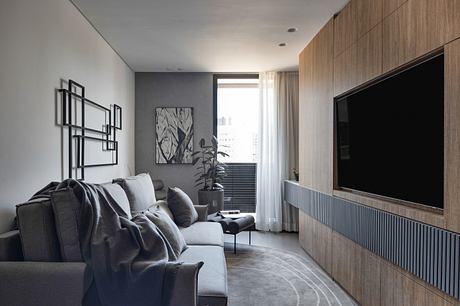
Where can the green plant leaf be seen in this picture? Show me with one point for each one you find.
(218, 186)
(223, 154)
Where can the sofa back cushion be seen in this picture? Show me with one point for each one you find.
(163, 206)
(117, 193)
(181, 207)
(37, 231)
(66, 208)
(139, 190)
(160, 192)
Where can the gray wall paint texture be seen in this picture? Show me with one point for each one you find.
(42, 42)
(171, 90)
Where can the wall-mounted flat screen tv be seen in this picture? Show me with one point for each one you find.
(390, 136)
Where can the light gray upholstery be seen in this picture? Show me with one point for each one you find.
(38, 232)
(158, 184)
(10, 246)
(169, 229)
(182, 207)
(185, 291)
(41, 283)
(203, 233)
(119, 195)
(161, 194)
(67, 217)
(140, 191)
(212, 279)
(61, 283)
(202, 211)
(163, 206)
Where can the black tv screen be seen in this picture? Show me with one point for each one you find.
(390, 136)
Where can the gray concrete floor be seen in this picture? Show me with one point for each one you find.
(284, 240)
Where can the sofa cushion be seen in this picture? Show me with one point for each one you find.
(38, 231)
(139, 190)
(66, 208)
(185, 283)
(169, 229)
(203, 233)
(10, 246)
(181, 206)
(119, 196)
(202, 211)
(212, 279)
(163, 206)
(158, 185)
(161, 194)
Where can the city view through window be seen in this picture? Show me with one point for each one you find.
(237, 119)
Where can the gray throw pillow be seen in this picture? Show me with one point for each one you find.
(139, 190)
(169, 229)
(38, 231)
(181, 207)
(117, 193)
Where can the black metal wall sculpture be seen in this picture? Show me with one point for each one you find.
(74, 99)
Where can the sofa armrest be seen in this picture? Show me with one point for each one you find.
(202, 211)
(185, 289)
(41, 283)
(10, 246)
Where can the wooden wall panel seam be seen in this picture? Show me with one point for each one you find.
(386, 14)
(356, 42)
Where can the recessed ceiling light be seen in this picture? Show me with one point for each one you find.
(292, 30)
(282, 45)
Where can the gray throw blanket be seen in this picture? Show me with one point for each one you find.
(127, 260)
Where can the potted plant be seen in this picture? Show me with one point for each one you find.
(210, 175)
(296, 174)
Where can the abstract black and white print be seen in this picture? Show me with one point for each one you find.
(174, 135)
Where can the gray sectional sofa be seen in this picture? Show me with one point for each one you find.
(33, 272)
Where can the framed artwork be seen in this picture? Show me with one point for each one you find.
(174, 135)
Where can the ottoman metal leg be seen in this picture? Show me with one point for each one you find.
(250, 237)
(234, 243)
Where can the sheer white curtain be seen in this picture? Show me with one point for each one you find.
(268, 207)
(277, 150)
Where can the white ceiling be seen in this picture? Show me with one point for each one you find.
(208, 35)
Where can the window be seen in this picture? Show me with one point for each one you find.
(236, 112)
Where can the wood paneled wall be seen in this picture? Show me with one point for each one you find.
(366, 39)
(369, 38)
(371, 280)
(316, 92)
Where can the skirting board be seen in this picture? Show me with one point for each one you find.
(429, 252)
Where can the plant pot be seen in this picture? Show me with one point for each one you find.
(213, 198)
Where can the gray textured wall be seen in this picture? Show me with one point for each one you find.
(171, 89)
(42, 42)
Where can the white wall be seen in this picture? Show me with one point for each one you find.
(42, 42)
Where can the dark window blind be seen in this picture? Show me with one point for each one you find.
(240, 187)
